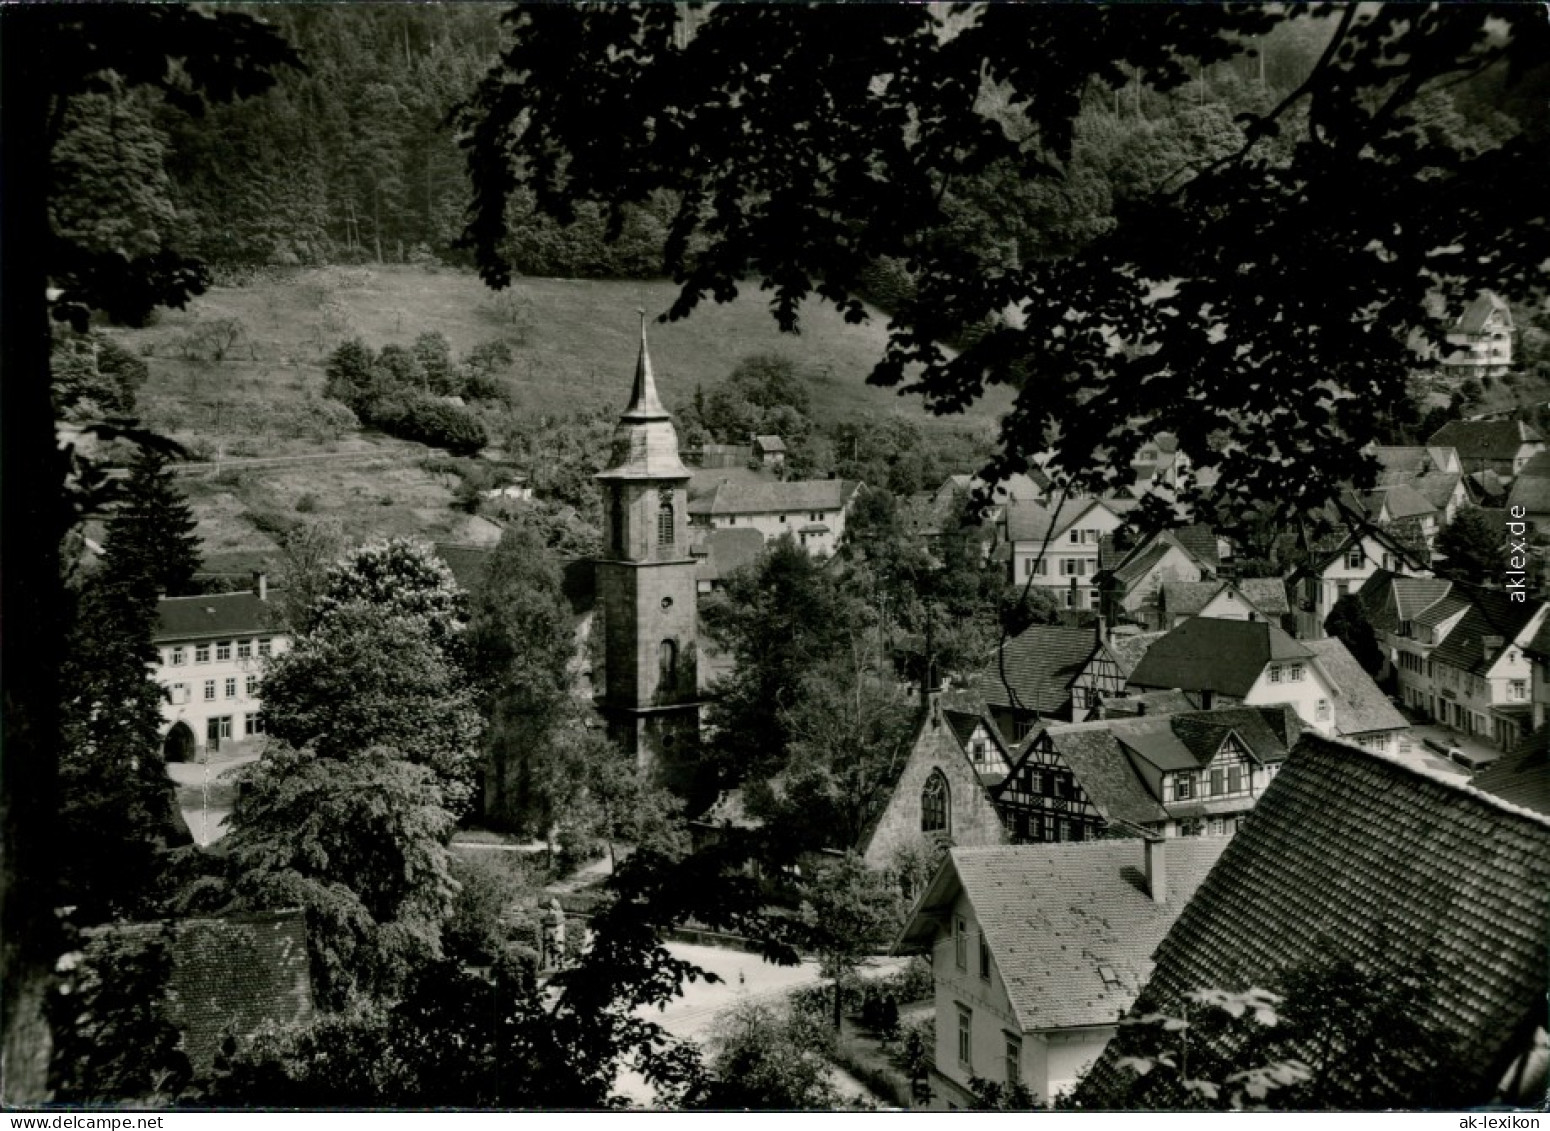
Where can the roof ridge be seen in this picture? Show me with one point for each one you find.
(1441, 778)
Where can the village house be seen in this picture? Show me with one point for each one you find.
(769, 451)
(1461, 652)
(211, 653)
(1247, 598)
(1355, 856)
(811, 511)
(719, 553)
(1339, 566)
(1501, 447)
(1057, 548)
(1195, 773)
(1038, 950)
(1224, 663)
(1130, 579)
(1049, 671)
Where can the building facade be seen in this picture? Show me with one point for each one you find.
(212, 651)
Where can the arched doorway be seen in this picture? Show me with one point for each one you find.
(178, 746)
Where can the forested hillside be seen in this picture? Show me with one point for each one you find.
(353, 160)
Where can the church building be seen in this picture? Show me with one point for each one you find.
(646, 584)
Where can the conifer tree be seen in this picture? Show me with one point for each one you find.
(151, 540)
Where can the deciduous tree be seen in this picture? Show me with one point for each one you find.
(850, 911)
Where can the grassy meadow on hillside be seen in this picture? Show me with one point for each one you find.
(574, 343)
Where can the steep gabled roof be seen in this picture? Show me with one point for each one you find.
(1404, 501)
(1093, 753)
(1354, 855)
(1531, 489)
(727, 550)
(1491, 613)
(1071, 926)
(1267, 594)
(1263, 730)
(1187, 598)
(213, 615)
(1140, 561)
(789, 496)
(1479, 311)
(1040, 663)
(1225, 656)
(1485, 439)
(1522, 777)
(1360, 706)
(1028, 521)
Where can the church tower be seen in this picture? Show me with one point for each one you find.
(646, 583)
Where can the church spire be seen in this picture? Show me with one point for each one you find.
(644, 402)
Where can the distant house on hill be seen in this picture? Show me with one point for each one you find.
(1037, 950)
(1130, 579)
(1057, 547)
(770, 451)
(811, 511)
(1339, 565)
(1436, 474)
(1480, 342)
(1500, 446)
(1356, 857)
(1248, 599)
(1049, 671)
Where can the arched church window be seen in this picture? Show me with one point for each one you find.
(665, 520)
(667, 660)
(618, 523)
(935, 805)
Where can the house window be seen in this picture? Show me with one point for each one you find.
(216, 729)
(934, 800)
(231, 687)
(665, 520)
(1014, 1060)
(252, 686)
(201, 653)
(209, 689)
(244, 649)
(1518, 688)
(1353, 558)
(965, 1037)
(960, 942)
(177, 654)
(254, 724)
(1275, 673)
(1235, 779)
(1295, 673)
(1076, 538)
(1073, 567)
(667, 662)
(180, 693)
(1218, 779)
(1070, 598)
(732, 520)
(1183, 786)
(782, 518)
(980, 751)
(1321, 712)
(984, 957)
(223, 650)
(263, 646)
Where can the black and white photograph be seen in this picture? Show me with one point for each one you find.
(808, 557)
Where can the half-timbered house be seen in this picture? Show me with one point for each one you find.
(1173, 775)
(1050, 671)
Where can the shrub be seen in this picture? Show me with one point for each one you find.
(441, 425)
(308, 503)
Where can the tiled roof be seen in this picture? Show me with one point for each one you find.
(727, 550)
(1139, 562)
(1479, 311)
(1531, 491)
(1070, 926)
(1485, 439)
(1523, 776)
(1205, 654)
(1267, 594)
(1186, 598)
(790, 496)
(1436, 487)
(1354, 855)
(1148, 703)
(1491, 613)
(217, 614)
(1441, 610)
(1360, 707)
(1263, 730)
(1103, 770)
(1404, 501)
(1128, 649)
(232, 975)
(1200, 541)
(770, 443)
(1414, 595)
(1040, 664)
(1028, 521)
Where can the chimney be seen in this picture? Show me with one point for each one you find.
(1157, 868)
(261, 584)
(1491, 645)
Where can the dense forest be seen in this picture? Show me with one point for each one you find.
(354, 159)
